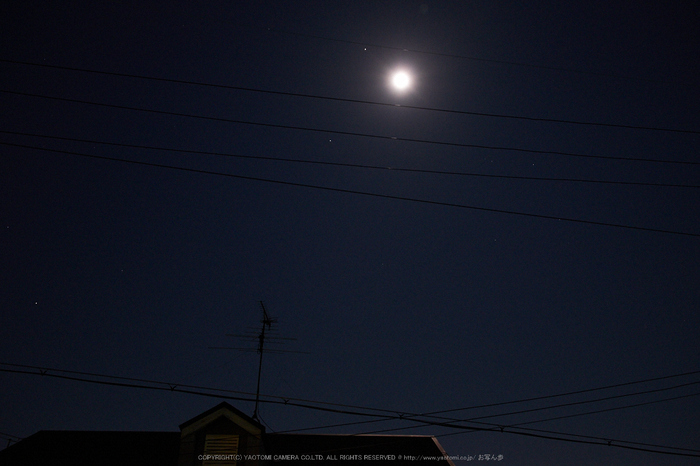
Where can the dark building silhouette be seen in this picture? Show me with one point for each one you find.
(221, 436)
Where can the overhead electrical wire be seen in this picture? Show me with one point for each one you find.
(511, 425)
(47, 372)
(537, 421)
(576, 403)
(345, 133)
(604, 440)
(391, 413)
(554, 435)
(598, 400)
(605, 410)
(362, 193)
(329, 426)
(181, 388)
(577, 392)
(10, 438)
(590, 440)
(367, 102)
(171, 386)
(353, 165)
(607, 442)
(501, 427)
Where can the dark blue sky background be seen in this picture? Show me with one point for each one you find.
(132, 270)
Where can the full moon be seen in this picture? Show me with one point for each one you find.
(400, 80)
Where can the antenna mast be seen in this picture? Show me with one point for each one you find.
(266, 321)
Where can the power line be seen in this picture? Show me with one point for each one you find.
(472, 420)
(602, 442)
(475, 419)
(187, 389)
(10, 438)
(393, 414)
(574, 438)
(635, 405)
(362, 193)
(577, 392)
(3, 434)
(352, 165)
(344, 424)
(497, 427)
(170, 386)
(597, 400)
(604, 439)
(546, 397)
(44, 372)
(367, 102)
(501, 426)
(616, 408)
(344, 133)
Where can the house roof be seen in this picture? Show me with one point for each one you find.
(163, 448)
(226, 410)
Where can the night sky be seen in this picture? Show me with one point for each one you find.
(425, 287)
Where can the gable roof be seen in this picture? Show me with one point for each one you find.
(226, 410)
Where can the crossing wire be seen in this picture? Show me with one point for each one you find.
(44, 372)
(362, 193)
(345, 133)
(352, 165)
(367, 102)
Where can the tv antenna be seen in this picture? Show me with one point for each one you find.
(266, 322)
